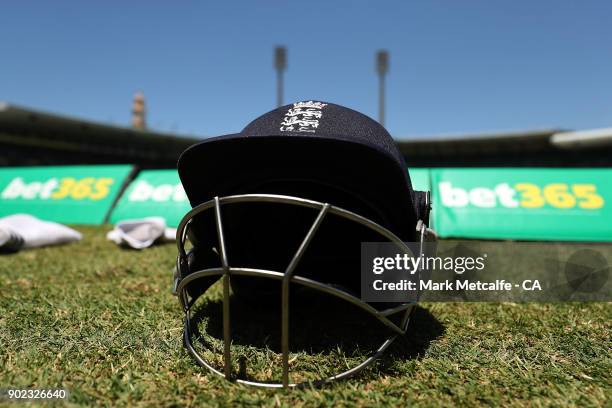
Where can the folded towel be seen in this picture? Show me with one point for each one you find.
(26, 231)
(141, 233)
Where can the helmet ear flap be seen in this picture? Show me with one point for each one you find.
(422, 205)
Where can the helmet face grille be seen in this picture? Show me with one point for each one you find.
(327, 335)
(266, 236)
(284, 259)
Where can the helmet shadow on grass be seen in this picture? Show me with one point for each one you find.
(322, 326)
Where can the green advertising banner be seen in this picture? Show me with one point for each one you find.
(420, 179)
(65, 194)
(153, 193)
(523, 203)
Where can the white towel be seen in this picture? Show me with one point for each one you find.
(141, 233)
(26, 231)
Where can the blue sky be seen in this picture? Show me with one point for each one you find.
(206, 68)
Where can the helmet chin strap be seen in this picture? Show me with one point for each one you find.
(183, 277)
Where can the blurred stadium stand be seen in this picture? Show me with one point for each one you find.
(542, 148)
(28, 137)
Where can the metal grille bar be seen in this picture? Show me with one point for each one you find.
(285, 295)
(227, 337)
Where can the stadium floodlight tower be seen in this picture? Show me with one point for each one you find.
(382, 67)
(280, 63)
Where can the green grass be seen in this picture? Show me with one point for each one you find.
(102, 323)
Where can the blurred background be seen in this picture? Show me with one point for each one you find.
(202, 69)
(458, 84)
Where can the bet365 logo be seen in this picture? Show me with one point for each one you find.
(86, 188)
(524, 195)
(144, 191)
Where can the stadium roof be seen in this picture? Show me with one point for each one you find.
(479, 142)
(546, 147)
(583, 139)
(21, 127)
(45, 138)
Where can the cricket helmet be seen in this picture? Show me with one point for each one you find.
(281, 209)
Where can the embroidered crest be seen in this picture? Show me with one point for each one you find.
(303, 117)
